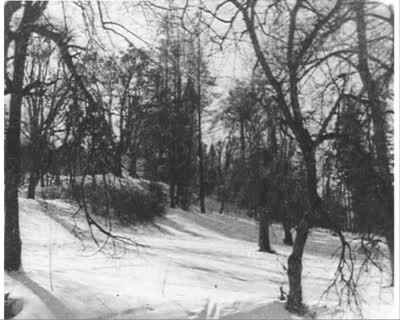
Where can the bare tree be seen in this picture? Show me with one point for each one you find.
(44, 108)
(32, 11)
(301, 42)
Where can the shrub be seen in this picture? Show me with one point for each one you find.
(53, 192)
(127, 200)
(131, 205)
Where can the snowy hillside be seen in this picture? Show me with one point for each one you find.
(193, 266)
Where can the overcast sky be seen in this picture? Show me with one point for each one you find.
(141, 22)
(235, 61)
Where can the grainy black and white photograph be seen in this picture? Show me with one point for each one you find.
(200, 159)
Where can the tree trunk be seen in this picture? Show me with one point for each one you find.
(94, 182)
(57, 178)
(222, 207)
(42, 181)
(200, 142)
(295, 268)
(117, 159)
(33, 182)
(22, 179)
(390, 241)
(286, 224)
(223, 199)
(201, 164)
(172, 194)
(12, 241)
(295, 297)
(263, 235)
(133, 166)
(242, 142)
(288, 239)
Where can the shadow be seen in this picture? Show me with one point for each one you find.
(12, 307)
(59, 310)
(269, 310)
(175, 225)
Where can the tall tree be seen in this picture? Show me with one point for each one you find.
(32, 11)
(199, 124)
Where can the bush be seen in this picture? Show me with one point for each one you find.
(127, 200)
(53, 192)
(132, 205)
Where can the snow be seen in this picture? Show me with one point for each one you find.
(194, 266)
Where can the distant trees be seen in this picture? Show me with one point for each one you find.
(262, 172)
(44, 108)
(175, 115)
(180, 100)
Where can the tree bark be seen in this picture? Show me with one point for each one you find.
(223, 199)
(288, 238)
(33, 182)
(172, 194)
(295, 268)
(133, 165)
(242, 141)
(12, 240)
(263, 235)
(200, 140)
(295, 297)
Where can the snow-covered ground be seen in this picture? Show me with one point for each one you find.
(192, 266)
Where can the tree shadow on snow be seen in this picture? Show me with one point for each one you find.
(59, 310)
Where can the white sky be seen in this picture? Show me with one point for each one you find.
(223, 65)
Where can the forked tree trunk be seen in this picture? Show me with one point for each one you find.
(295, 264)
